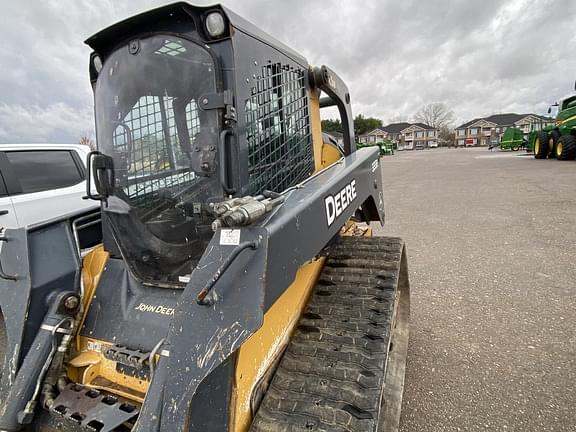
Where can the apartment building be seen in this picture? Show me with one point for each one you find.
(373, 137)
(486, 130)
(404, 135)
(418, 136)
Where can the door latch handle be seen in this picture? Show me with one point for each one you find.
(2, 274)
(4, 212)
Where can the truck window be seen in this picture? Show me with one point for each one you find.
(3, 191)
(41, 170)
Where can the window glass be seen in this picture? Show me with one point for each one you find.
(148, 137)
(3, 191)
(41, 170)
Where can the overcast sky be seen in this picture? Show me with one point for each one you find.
(480, 57)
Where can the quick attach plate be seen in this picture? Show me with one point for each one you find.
(129, 362)
(91, 410)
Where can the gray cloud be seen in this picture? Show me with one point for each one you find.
(479, 57)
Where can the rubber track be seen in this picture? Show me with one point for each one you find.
(332, 373)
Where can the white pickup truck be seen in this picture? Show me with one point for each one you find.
(40, 182)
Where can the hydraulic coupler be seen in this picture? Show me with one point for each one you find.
(246, 210)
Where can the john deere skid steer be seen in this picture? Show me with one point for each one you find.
(237, 285)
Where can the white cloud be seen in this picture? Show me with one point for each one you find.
(479, 57)
(51, 123)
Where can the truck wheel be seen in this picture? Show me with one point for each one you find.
(553, 138)
(541, 145)
(566, 147)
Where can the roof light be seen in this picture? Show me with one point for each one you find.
(215, 24)
(97, 63)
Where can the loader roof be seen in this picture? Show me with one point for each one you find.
(175, 13)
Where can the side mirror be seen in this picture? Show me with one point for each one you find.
(549, 110)
(103, 168)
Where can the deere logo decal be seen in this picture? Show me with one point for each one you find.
(336, 204)
(159, 309)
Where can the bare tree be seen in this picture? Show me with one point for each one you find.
(436, 114)
(447, 137)
(86, 139)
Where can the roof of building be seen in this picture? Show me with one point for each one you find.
(501, 119)
(335, 134)
(396, 127)
(377, 131)
(423, 125)
(399, 127)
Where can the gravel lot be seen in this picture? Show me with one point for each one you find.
(491, 241)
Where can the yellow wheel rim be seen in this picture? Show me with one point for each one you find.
(537, 146)
(551, 145)
(559, 148)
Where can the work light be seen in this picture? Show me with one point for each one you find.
(97, 62)
(215, 24)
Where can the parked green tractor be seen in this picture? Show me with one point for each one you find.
(512, 139)
(558, 141)
(386, 147)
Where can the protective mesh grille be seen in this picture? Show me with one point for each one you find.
(278, 130)
(153, 157)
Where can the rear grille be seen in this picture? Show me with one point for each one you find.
(278, 130)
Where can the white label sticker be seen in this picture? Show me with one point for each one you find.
(94, 346)
(230, 237)
(184, 279)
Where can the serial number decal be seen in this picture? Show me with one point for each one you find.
(337, 203)
(163, 310)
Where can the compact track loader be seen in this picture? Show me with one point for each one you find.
(237, 285)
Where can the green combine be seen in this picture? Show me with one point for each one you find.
(558, 141)
(512, 139)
